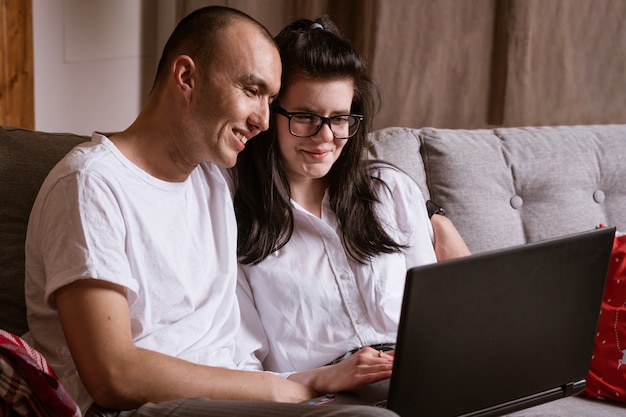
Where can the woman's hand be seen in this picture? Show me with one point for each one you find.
(364, 367)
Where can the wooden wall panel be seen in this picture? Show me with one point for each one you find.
(16, 64)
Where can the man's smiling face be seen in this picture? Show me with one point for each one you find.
(231, 104)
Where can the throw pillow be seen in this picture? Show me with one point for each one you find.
(28, 386)
(607, 372)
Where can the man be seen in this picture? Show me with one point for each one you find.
(131, 247)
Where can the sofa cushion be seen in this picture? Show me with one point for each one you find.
(511, 186)
(26, 157)
(401, 147)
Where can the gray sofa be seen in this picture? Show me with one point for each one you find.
(511, 186)
(501, 187)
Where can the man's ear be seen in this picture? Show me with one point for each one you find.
(184, 69)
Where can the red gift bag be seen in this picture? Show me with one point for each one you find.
(607, 373)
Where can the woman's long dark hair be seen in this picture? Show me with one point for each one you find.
(315, 51)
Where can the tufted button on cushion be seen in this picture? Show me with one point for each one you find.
(598, 196)
(516, 202)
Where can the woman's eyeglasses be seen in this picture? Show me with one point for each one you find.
(304, 125)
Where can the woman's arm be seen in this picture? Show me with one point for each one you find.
(448, 241)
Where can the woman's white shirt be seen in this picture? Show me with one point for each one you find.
(309, 302)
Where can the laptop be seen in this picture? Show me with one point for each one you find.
(495, 332)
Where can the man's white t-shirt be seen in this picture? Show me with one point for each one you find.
(308, 303)
(172, 246)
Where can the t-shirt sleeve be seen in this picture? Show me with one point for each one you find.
(82, 234)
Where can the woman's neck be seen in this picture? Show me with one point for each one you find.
(309, 194)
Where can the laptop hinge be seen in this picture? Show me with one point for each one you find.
(573, 388)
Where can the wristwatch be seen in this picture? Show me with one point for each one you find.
(434, 208)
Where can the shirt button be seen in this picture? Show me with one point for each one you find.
(343, 276)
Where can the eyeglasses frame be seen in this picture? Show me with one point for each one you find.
(325, 120)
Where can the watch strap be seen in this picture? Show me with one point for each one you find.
(434, 208)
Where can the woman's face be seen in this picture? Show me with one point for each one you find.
(311, 158)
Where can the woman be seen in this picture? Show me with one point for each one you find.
(325, 236)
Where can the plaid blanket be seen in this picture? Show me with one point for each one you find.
(28, 386)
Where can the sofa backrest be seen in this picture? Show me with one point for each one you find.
(501, 187)
(26, 157)
(510, 186)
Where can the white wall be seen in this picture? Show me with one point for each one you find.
(95, 60)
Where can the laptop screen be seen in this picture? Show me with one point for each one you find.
(500, 331)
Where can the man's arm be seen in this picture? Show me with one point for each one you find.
(119, 375)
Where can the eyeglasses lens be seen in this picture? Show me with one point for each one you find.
(306, 125)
